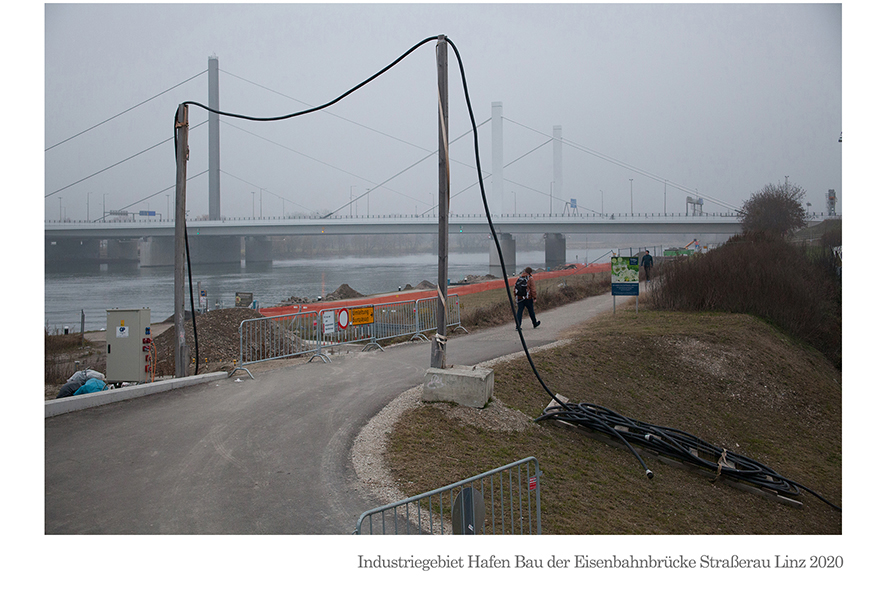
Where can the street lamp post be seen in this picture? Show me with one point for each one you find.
(59, 209)
(602, 211)
(632, 195)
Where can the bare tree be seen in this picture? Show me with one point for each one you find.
(775, 210)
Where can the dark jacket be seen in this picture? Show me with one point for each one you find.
(530, 287)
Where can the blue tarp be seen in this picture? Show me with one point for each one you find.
(91, 385)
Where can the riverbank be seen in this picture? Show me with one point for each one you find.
(218, 329)
(460, 289)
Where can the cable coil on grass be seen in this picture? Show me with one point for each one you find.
(675, 444)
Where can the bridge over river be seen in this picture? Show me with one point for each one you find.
(151, 242)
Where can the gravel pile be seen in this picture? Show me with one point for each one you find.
(218, 336)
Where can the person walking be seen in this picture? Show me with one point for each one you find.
(647, 265)
(524, 291)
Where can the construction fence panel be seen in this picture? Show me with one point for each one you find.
(504, 501)
(277, 337)
(303, 333)
(426, 314)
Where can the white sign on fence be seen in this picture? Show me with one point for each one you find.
(328, 322)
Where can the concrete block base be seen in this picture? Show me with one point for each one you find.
(466, 386)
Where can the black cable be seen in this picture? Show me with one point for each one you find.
(193, 312)
(501, 259)
(677, 445)
(319, 107)
(188, 256)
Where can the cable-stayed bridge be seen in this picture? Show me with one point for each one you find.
(222, 239)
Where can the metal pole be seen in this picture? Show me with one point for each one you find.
(632, 196)
(214, 159)
(438, 345)
(181, 162)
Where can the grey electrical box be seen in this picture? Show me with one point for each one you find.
(130, 348)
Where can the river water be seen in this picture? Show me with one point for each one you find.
(96, 289)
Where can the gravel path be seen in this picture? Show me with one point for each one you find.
(368, 452)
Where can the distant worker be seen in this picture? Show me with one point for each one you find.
(524, 290)
(647, 265)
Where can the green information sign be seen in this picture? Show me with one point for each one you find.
(625, 276)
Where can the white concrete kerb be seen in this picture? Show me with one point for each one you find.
(70, 404)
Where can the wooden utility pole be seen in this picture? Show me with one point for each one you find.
(182, 358)
(438, 345)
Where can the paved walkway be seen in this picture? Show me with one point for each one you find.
(262, 456)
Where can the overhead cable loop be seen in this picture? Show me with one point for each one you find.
(125, 111)
(406, 142)
(319, 107)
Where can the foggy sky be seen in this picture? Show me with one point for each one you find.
(723, 99)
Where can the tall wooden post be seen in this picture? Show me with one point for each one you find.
(182, 357)
(438, 345)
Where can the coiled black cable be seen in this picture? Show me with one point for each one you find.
(677, 445)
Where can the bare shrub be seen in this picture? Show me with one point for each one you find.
(762, 276)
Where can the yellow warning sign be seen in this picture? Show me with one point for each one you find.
(362, 315)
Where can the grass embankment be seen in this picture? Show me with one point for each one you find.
(731, 379)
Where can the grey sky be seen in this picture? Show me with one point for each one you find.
(720, 98)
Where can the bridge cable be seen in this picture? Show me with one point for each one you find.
(392, 137)
(157, 193)
(162, 142)
(624, 165)
(125, 111)
(398, 174)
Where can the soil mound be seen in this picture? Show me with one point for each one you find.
(218, 339)
(343, 292)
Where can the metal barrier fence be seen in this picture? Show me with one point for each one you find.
(506, 500)
(304, 333)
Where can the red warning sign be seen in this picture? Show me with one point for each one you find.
(343, 318)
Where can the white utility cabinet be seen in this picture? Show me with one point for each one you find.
(129, 340)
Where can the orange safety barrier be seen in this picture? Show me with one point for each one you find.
(414, 295)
